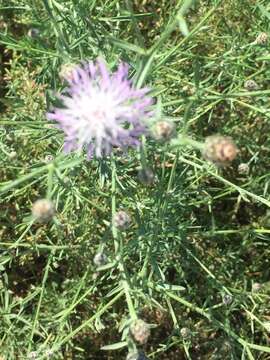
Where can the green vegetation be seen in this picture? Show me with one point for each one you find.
(194, 263)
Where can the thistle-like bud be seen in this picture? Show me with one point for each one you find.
(251, 85)
(48, 158)
(256, 287)
(32, 355)
(140, 331)
(185, 332)
(122, 220)
(49, 353)
(146, 176)
(100, 259)
(33, 33)
(9, 138)
(227, 299)
(220, 150)
(136, 355)
(243, 169)
(164, 130)
(43, 210)
(262, 39)
(12, 155)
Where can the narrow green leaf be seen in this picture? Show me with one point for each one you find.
(126, 45)
(264, 11)
(115, 346)
(183, 25)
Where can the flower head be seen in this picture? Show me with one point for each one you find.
(101, 109)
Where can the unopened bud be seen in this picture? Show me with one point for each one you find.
(256, 287)
(185, 333)
(146, 176)
(32, 355)
(227, 299)
(121, 220)
(13, 155)
(164, 130)
(9, 138)
(48, 158)
(43, 210)
(220, 150)
(100, 259)
(49, 353)
(262, 39)
(33, 33)
(140, 331)
(136, 355)
(243, 169)
(251, 85)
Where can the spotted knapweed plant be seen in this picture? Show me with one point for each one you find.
(159, 255)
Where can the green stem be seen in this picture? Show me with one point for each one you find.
(85, 324)
(183, 140)
(50, 181)
(39, 302)
(118, 248)
(218, 323)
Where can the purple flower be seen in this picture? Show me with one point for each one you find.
(101, 109)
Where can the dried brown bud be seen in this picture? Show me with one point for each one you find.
(220, 150)
(140, 331)
(43, 210)
(164, 130)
